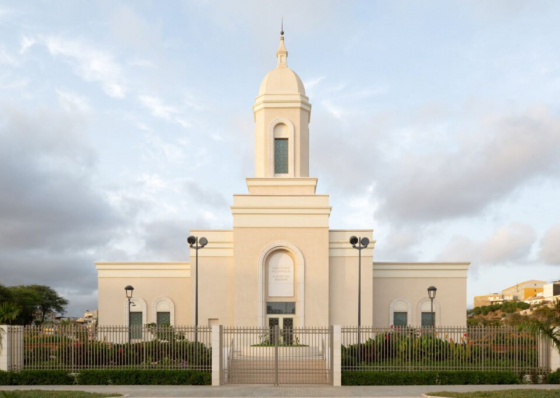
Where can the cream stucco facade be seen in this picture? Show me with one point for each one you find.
(280, 263)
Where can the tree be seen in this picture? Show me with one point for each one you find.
(49, 301)
(36, 302)
(8, 313)
(5, 294)
(546, 320)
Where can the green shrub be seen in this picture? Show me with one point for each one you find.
(36, 377)
(553, 378)
(428, 378)
(144, 377)
(104, 377)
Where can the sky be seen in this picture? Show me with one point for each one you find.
(124, 124)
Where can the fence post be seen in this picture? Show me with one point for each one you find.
(217, 349)
(6, 351)
(336, 355)
(554, 356)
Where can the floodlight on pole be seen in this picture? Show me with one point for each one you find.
(196, 243)
(359, 244)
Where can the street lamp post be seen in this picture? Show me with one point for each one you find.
(432, 295)
(196, 244)
(129, 290)
(359, 244)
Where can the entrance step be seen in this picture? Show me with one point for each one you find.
(262, 371)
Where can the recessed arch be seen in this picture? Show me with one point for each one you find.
(163, 304)
(398, 305)
(424, 305)
(300, 284)
(139, 306)
(287, 133)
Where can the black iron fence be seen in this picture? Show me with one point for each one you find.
(76, 347)
(443, 348)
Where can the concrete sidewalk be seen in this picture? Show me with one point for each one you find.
(270, 391)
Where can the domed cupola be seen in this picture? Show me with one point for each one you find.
(282, 112)
(282, 80)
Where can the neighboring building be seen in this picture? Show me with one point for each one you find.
(523, 290)
(488, 299)
(90, 317)
(551, 290)
(280, 264)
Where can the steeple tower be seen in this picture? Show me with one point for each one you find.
(282, 112)
(282, 53)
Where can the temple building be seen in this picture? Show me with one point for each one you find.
(280, 264)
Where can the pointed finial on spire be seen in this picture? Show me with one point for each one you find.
(282, 53)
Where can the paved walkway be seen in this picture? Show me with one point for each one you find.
(269, 391)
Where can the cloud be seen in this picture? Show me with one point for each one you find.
(310, 84)
(508, 244)
(72, 102)
(205, 196)
(90, 64)
(6, 58)
(45, 168)
(166, 240)
(400, 244)
(158, 108)
(26, 43)
(550, 246)
(482, 168)
(53, 221)
(132, 29)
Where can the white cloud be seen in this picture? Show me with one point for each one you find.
(508, 244)
(90, 64)
(511, 243)
(481, 168)
(72, 102)
(26, 43)
(6, 58)
(10, 82)
(158, 108)
(550, 246)
(310, 84)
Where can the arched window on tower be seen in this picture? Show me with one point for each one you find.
(281, 149)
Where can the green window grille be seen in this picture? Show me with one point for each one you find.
(280, 308)
(428, 319)
(164, 318)
(400, 319)
(280, 156)
(135, 322)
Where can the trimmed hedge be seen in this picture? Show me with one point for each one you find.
(553, 378)
(97, 377)
(428, 378)
(144, 377)
(36, 377)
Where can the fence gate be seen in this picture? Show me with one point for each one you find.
(277, 355)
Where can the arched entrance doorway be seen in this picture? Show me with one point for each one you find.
(281, 290)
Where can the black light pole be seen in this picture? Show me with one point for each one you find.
(359, 244)
(432, 295)
(196, 244)
(129, 290)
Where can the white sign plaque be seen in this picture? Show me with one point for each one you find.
(280, 275)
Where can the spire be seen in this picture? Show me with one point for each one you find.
(282, 53)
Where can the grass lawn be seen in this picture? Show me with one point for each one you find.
(53, 394)
(499, 394)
